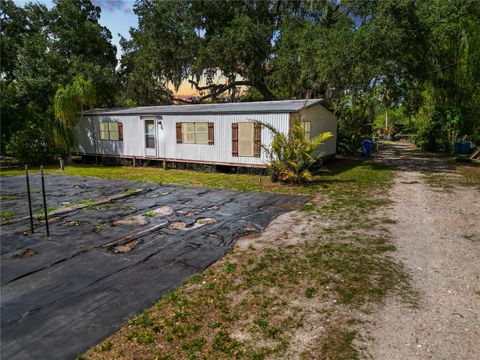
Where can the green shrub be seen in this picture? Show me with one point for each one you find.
(441, 130)
(292, 157)
(353, 127)
(30, 146)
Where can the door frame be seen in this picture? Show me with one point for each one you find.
(153, 153)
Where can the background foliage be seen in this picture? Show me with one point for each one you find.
(43, 50)
(417, 60)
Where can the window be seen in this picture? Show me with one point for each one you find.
(245, 139)
(150, 134)
(104, 131)
(111, 131)
(306, 129)
(195, 133)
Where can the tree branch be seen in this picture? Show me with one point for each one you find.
(220, 86)
(215, 90)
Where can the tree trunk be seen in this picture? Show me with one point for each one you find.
(386, 118)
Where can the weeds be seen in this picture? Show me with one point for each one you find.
(7, 215)
(41, 215)
(149, 213)
(249, 305)
(8, 197)
(81, 202)
(107, 346)
(308, 207)
(97, 228)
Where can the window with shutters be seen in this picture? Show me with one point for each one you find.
(306, 129)
(195, 133)
(245, 139)
(111, 131)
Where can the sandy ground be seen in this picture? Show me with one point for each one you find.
(437, 235)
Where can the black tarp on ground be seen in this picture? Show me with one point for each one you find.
(65, 293)
(60, 189)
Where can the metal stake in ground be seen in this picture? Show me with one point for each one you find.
(29, 199)
(44, 200)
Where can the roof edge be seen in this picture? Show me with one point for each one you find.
(142, 109)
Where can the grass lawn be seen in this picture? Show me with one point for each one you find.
(338, 171)
(300, 294)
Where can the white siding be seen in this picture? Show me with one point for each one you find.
(133, 143)
(221, 151)
(134, 138)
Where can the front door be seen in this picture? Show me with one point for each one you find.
(150, 138)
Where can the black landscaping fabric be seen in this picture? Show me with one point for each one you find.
(104, 263)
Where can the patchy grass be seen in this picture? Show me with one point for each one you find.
(470, 175)
(149, 213)
(464, 175)
(251, 304)
(41, 215)
(438, 181)
(86, 202)
(341, 171)
(8, 197)
(7, 215)
(338, 344)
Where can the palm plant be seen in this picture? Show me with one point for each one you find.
(292, 157)
(69, 101)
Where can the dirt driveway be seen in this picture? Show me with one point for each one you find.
(437, 236)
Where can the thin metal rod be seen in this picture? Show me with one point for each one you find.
(44, 201)
(29, 199)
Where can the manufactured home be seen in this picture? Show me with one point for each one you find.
(216, 134)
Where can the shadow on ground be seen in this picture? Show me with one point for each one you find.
(407, 157)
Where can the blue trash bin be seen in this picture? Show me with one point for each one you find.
(457, 148)
(466, 147)
(367, 147)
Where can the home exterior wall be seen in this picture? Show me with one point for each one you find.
(322, 120)
(133, 144)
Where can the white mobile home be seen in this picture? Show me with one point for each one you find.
(217, 134)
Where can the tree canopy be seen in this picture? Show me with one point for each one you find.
(419, 59)
(279, 49)
(44, 49)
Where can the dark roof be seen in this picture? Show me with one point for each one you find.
(283, 106)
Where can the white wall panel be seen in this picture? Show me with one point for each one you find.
(221, 151)
(323, 120)
(134, 137)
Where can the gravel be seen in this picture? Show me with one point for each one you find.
(437, 235)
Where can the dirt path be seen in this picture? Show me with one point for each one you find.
(437, 235)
